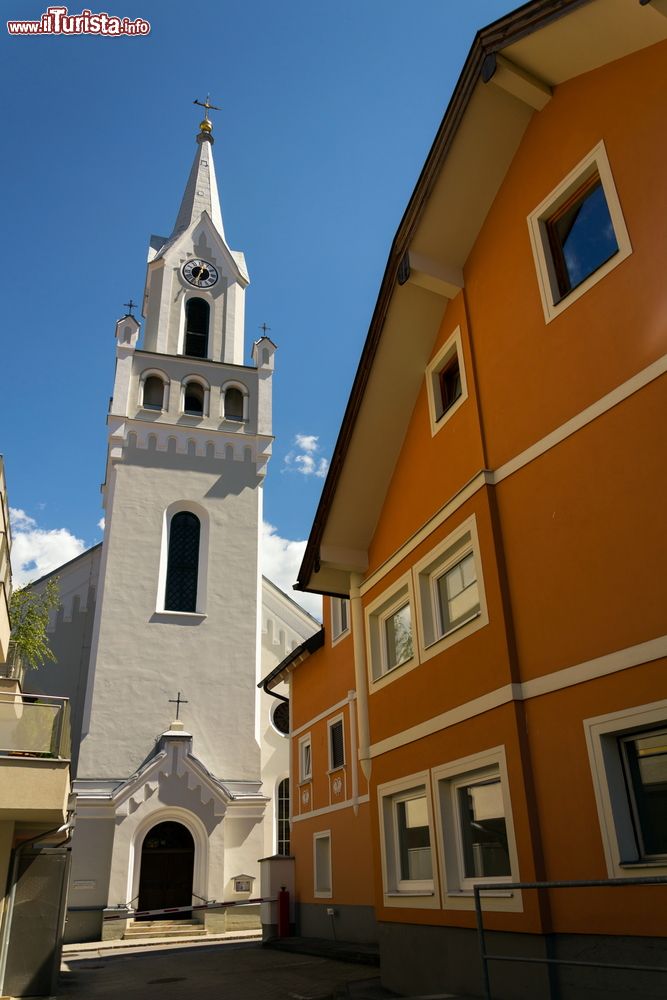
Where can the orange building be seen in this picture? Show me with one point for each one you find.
(494, 513)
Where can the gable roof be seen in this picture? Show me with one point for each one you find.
(509, 74)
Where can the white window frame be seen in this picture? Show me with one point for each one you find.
(325, 892)
(458, 890)
(305, 774)
(330, 724)
(376, 614)
(596, 161)
(450, 349)
(398, 892)
(443, 557)
(611, 792)
(202, 576)
(339, 632)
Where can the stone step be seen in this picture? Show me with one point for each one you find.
(191, 922)
(136, 932)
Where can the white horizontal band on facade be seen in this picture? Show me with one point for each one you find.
(494, 477)
(347, 804)
(324, 715)
(622, 659)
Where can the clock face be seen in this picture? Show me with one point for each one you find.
(200, 273)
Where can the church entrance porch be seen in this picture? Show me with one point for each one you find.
(167, 866)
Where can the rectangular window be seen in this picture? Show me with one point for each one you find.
(389, 630)
(645, 765)
(581, 235)
(398, 636)
(305, 759)
(446, 387)
(457, 594)
(450, 590)
(336, 744)
(322, 864)
(406, 842)
(483, 830)
(578, 234)
(450, 384)
(628, 757)
(340, 617)
(413, 840)
(475, 829)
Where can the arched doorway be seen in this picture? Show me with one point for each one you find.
(167, 864)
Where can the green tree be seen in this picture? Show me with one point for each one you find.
(29, 616)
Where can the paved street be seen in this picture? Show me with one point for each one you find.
(239, 970)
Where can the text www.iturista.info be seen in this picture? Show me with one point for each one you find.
(58, 21)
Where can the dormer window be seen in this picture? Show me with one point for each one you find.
(197, 317)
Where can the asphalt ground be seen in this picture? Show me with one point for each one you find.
(221, 971)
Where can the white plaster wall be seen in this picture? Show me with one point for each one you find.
(284, 626)
(144, 658)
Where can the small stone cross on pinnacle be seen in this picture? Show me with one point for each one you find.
(178, 701)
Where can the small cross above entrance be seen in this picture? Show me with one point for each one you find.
(178, 701)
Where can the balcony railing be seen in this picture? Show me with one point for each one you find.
(34, 726)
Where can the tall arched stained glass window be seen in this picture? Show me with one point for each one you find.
(183, 563)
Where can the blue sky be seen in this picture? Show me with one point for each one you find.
(328, 113)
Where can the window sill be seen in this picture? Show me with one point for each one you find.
(488, 893)
(334, 770)
(305, 781)
(178, 616)
(657, 863)
(406, 894)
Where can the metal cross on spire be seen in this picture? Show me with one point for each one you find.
(263, 327)
(207, 104)
(178, 701)
(130, 305)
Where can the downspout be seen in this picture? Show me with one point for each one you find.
(357, 615)
(9, 904)
(351, 697)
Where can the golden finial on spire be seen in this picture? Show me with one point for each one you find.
(206, 125)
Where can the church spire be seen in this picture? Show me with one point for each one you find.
(201, 191)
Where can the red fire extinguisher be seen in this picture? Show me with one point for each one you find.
(283, 912)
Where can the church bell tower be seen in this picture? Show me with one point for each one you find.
(178, 610)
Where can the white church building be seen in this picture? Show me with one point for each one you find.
(166, 628)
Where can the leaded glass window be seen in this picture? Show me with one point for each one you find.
(183, 563)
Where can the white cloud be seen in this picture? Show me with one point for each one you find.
(36, 551)
(101, 523)
(281, 558)
(308, 442)
(304, 459)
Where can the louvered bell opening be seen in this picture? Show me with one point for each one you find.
(337, 749)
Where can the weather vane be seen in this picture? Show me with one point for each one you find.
(207, 104)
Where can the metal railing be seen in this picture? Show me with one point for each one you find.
(487, 957)
(34, 726)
